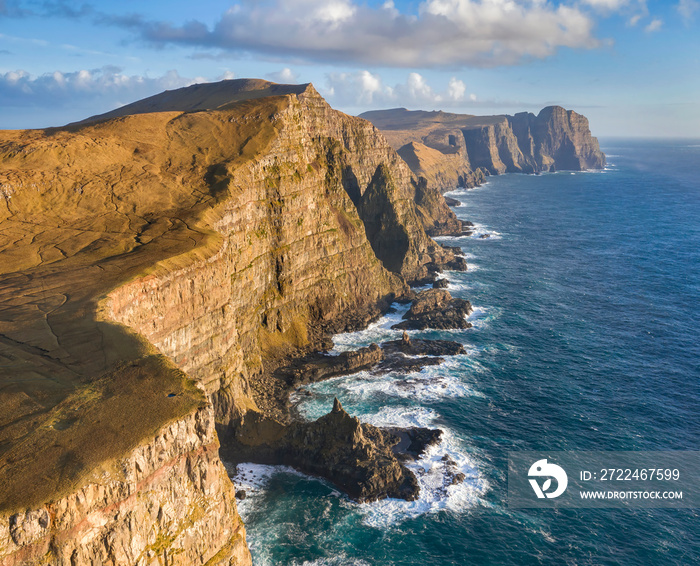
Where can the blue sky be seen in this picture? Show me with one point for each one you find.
(631, 66)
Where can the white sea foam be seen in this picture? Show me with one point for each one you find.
(454, 286)
(378, 331)
(477, 230)
(254, 480)
(447, 380)
(341, 559)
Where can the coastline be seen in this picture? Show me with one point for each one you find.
(313, 270)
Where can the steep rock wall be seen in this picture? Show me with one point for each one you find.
(169, 501)
(555, 139)
(451, 150)
(260, 218)
(295, 255)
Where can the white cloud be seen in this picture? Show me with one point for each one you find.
(363, 89)
(654, 25)
(606, 5)
(456, 89)
(443, 33)
(418, 89)
(687, 8)
(60, 89)
(285, 76)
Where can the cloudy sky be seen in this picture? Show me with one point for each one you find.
(631, 66)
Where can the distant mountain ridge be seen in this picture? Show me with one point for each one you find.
(459, 149)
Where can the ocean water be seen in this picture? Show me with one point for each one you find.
(586, 337)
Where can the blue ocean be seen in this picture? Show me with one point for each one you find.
(586, 336)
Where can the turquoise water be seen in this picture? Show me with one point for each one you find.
(585, 337)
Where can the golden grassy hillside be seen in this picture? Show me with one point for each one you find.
(84, 209)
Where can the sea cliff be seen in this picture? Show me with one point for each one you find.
(451, 150)
(160, 264)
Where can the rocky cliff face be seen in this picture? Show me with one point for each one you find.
(229, 237)
(553, 140)
(169, 501)
(451, 150)
(317, 230)
(160, 262)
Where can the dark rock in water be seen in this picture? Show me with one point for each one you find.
(452, 201)
(408, 355)
(457, 478)
(467, 223)
(441, 284)
(457, 264)
(318, 366)
(356, 457)
(483, 236)
(400, 363)
(436, 308)
(417, 347)
(240, 494)
(413, 441)
(468, 233)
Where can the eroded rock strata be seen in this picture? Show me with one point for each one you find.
(458, 150)
(168, 501)
(159, 264)
(228, 233)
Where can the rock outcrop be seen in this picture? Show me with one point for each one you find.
(169, 501)
(457, 150)
(355, 456)
(436, 308)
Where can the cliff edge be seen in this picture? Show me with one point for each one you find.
(157, 262)
(451, 150)
(160, 262)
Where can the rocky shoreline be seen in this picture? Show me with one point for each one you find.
(365, 462)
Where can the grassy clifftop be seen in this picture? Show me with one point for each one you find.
(83, 209)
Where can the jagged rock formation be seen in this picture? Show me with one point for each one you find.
(355, 456)
(451, 150)
(436, 308)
